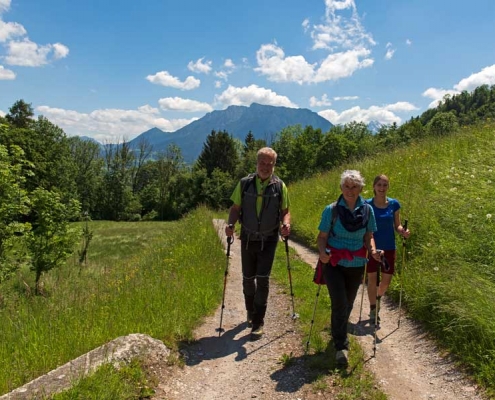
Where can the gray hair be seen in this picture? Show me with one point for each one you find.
(353, 176)
(267, 151)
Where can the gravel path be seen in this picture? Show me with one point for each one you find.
(407, 365)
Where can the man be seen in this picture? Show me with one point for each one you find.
(261, 204)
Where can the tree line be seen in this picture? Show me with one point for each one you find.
(48, 179)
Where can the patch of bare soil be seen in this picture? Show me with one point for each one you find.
(407, 365)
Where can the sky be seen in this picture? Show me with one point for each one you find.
(111, 70)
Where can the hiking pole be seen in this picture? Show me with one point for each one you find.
(313, 318)
(362, 293)
(230, 240)
(319, 279)
(377, 304)
(286, 240)
(403, 270)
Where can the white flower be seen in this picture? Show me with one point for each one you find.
(488, 181)
(470, 216)
(478, 198)
(490, 170)
(472, 176)
(435, 269)
(488, 216)
(428, 244)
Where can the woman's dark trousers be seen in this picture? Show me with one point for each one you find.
(343, 285)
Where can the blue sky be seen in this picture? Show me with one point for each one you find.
(114, 69)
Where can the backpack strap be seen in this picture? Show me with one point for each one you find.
(335, 215)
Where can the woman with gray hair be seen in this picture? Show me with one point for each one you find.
(345, 238)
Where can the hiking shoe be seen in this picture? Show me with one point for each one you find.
(249, 319)
(373, 316)
(341, 358)
(257, 332)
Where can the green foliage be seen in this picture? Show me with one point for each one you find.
(14, 203)
(219, 152)
(20, 114)
(51, 240)
(442, 124)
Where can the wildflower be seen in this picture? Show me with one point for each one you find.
(488, 216)
(453, 189)
(470, 215)
(488, 181)
(472, 176)
(478, 198)
(435, 268)
(428, 244)
(490, 170)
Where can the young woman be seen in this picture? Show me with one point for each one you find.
(387, 218)
(343, 245)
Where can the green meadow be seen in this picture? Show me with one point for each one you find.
(162, 278)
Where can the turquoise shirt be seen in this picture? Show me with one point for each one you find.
(344, 239)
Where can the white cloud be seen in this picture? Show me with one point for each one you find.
(9, 30)
(277, 67)
(110, 125)
(60, 51)
(199, 66)
(218, 84)
(6, 74)
(305, 24)
(437, 95)
(338, 98)
(341, 65)
(385, 114)
(245, 96)
(2, 113)
(314, 102)
(180, 104)
(390, 51)
(28, 54)
(222, 75)
(273, 63)
(229, 63)
(408, 42)
(4, 6)
(165, 79)
(341, 27)
(485, 77)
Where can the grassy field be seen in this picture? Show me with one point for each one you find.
(140, 278)
(445, 186)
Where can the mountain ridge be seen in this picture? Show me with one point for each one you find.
(263, 121)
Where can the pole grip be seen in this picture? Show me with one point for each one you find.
(405, 225)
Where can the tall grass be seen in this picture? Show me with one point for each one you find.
(446, 189)
(148, 277)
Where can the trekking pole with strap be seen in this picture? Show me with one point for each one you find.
(403, 270)
(319, 279)
(230, 240)
(286, 241)
(378, 299)
(362, 293)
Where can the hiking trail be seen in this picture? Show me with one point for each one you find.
(407, 366)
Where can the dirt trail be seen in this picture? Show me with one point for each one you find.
(407, 365)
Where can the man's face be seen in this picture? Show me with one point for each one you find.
(265, 166)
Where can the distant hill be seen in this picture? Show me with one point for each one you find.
(263, 121)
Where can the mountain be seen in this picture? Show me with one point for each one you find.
(374, 127)
(263, 121)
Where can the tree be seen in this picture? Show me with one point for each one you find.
(219, 151)
(443, 123)
(20, 114)
(52, 238)
(14, 203)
